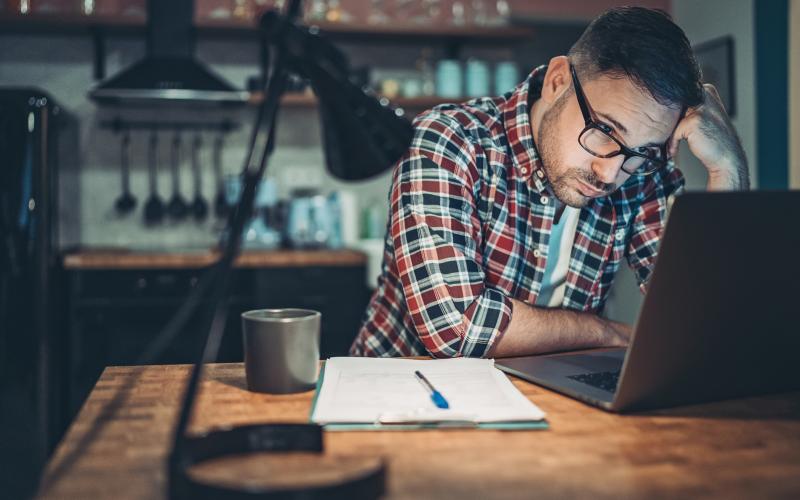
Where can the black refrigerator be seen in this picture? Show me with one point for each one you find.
(32, 354)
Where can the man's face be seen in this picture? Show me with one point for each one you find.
(631, 115)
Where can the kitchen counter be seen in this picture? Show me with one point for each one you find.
(133, 259)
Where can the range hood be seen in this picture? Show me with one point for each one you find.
(169, 70)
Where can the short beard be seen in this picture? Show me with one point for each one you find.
(557, 173)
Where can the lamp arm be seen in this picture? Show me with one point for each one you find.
(261, 143)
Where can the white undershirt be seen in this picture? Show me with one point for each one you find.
(554, 281)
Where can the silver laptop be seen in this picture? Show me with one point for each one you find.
(721, 318)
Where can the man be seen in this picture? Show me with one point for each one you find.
(510, 216)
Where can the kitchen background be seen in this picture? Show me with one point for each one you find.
(62, 65)
(105, 313)
(59, 59)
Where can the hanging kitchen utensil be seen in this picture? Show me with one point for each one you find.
(220, 202)
(154, 207)
(177, 206)
(199, 204)
(126, 201)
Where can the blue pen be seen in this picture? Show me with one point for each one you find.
(436, 396)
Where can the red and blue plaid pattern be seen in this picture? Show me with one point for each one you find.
(469, 227)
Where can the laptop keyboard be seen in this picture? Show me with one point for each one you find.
(606, 381)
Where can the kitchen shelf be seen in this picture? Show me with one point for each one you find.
(99, 27)
(303, 100)
(38, 23)
(389, 32)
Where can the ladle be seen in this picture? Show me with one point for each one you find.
(199, 204)
(177, 207)
(154, 207)
(220, 202)
(126, 201)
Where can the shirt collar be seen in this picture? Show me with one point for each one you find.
(517, 123)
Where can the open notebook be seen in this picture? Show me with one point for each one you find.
(381, 393)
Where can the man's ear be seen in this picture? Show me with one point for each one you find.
(557, 79)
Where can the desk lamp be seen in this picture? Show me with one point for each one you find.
(362, 138)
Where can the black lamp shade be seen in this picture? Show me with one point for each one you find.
(362, 137)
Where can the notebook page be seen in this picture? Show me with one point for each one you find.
(386, 390)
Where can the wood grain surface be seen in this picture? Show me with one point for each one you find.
(747, 448)
(122, 259)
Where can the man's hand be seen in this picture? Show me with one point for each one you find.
(712, 139)
(616, 334)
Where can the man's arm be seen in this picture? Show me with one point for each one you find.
(535, 330)
(712, 139)
(436, 235)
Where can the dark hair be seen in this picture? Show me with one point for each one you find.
(645, 46)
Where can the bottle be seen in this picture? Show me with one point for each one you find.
(477, 80)
(479, 13)
(427, 75)
(458, 13)
(506, 77)
(374, 221)
(260, 232)
(449, 79)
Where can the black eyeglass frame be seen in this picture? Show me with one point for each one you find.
(655, 163)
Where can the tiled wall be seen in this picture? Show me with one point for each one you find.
(61, 66)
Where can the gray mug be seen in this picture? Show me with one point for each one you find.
(281, 349)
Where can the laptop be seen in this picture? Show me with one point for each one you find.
(720, 320)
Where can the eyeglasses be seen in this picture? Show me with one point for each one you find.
(596, 140)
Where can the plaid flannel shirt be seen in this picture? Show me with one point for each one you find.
(469, 227)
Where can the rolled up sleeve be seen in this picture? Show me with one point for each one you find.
(651, 217)
(436, 237)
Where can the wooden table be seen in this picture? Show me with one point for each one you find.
(737, 449)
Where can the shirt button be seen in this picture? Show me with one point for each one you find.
(619, 234)
(545, 200)
(524, 170)
(537, 253)
(539, 174)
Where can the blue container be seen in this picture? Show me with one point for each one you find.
(449, 79)
(506, 77)
(478, 78)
